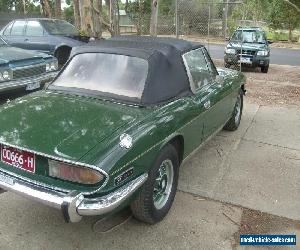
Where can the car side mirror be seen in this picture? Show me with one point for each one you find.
(227, 38)
(220, 80)
(269, 42)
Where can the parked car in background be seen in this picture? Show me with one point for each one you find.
(24, 69)
(113, 128)
(250, 47)
(52, 36)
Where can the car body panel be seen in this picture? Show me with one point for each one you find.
(46, 43)
(74, 131)
(10, 54)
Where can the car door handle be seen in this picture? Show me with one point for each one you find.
(207, 104)
(26, 40)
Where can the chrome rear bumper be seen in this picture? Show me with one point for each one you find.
(73, 204)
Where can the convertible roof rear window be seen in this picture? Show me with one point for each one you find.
(111, 74)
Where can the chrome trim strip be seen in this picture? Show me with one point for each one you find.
(23, 82)
(192, 84)
(29, 66)
(191, 80)
(64, 161)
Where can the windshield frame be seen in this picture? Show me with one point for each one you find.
(97, 94)
(262, 33)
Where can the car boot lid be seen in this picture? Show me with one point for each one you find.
(60, 125)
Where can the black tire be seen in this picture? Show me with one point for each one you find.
(62, 54)
(235, 119)
(144, 208)
(264, 69)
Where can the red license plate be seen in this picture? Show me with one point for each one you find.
(18, 158)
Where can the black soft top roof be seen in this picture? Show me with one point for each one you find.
(167, 77)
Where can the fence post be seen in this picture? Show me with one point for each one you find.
(226, 19)
(243, 23)
(208, 26)
(154, 16)
(176, 19)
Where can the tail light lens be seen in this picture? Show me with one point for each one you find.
(74, 173)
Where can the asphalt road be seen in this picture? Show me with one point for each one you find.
(278, 56)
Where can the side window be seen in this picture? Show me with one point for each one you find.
(7, 29)
(197, 67)
(34, 29)
(210, 64)
(17, 29)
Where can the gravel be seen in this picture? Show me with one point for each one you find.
(279, 87)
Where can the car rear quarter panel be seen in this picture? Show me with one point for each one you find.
(161, 124)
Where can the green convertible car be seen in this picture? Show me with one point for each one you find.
(114, 126)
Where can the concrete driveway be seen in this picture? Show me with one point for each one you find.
(256, 167)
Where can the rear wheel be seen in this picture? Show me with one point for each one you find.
(235, 119)
(158, 192)
(264, 69)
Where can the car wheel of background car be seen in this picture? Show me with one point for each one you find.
(62, 54)
(158, 192)
(265, 69)
(235, 120)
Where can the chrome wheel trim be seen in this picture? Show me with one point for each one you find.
(237, 110)
(163, 184)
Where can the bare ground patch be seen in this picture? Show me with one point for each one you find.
(255, 222)
(279, 87)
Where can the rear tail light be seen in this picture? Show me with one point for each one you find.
(74, 173)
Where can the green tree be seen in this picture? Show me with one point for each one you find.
(283, 16)
(139, 11)
(166, 7)
(294, 4)
(255, 10)
(6, 5)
